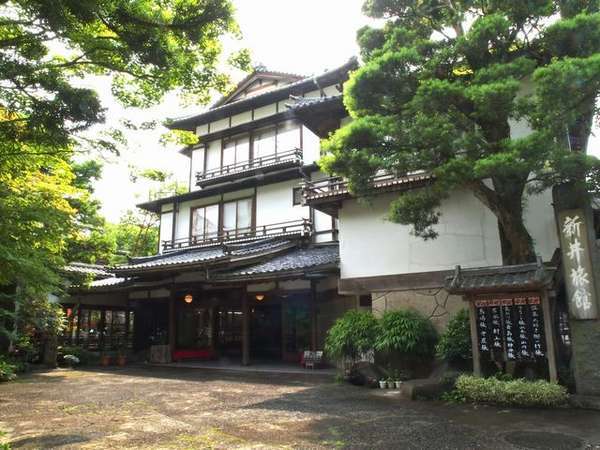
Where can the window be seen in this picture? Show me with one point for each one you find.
(205, 221)
(237, 215)
(265, 143)
(297, 196)
(236, 151)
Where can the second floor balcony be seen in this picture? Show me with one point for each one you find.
(326, 195)
(253, 166)
(294, 228)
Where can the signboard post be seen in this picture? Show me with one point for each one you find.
(576, 257)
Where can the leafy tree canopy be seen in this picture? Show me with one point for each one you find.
(445, 87)
(147, 47)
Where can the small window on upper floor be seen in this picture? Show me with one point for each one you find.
(297, 196)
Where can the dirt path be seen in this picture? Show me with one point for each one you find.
(193, 409)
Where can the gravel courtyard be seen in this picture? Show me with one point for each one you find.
(195, 409)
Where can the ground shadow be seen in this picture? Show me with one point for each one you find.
(204, 375)
(49, 441)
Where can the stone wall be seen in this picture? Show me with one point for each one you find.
(435, 304)
(330, 307)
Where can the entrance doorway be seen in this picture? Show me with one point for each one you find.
(265, 331)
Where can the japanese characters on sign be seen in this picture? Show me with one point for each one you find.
(511, 328)
(577, 264)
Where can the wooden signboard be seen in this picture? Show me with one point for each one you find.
(577, 263)
(510, 328)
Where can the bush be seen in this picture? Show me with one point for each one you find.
(518, 392)
(407, 333)
(352, 334)
(455, 342)
(83, 356)
(8, 371)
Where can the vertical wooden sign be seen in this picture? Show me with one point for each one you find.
(577, 263)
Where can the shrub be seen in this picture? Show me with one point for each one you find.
(455, 341)
(352, 334)
(518, 392)
(8, 371)
(83, 356)
(407, 333)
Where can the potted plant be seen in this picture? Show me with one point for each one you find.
(71, 360)
(397, 380)
(382, 383)
(122, 356)
(104, 359)
(390, 383)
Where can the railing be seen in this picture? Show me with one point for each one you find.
(337, 186)
(301, 227)
(294, 155)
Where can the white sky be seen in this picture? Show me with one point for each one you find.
(299, 36)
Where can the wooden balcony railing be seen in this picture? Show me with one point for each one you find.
(301, 227)
(219, 173)
(338, 187)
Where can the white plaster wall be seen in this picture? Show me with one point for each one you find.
(370, 245)
(202, 129)
(213, 158)
(311, 146)
(274, 204)
(240, 118)
(219, 125)
(166, 228)
(197, 162)
(264, 111)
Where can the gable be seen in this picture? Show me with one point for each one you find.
(256, 83)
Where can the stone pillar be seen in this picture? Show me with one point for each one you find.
(245, 330)
(585, 328)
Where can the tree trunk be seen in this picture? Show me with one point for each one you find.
(505, 201)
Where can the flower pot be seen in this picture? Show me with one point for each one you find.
(390, 385)
(121, 360)
(398, 384)
(383, 384)
(105, 360)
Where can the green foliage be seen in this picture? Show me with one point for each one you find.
(519, 392)
(352, 334)
(85, 356)
(47, 215)
(407, 333)
(8, 371)
(455, 341)
(440, 86)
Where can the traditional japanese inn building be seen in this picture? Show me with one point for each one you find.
(244, 269)
(264, 252)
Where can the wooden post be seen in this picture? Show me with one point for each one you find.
(548, 331)
(474, 343)
(172, 323)
(245, 330)
(313, 315)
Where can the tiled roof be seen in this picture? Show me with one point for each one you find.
(186, 257)
(181, 121)
(500, 278)
(106, 282)
(298, 259)
(299, 103)
(97, 271)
